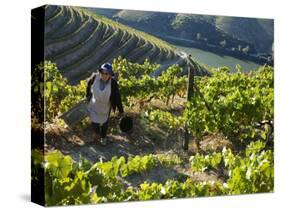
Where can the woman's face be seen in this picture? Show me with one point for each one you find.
(104, 75)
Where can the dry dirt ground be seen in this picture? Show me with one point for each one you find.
(146, 138)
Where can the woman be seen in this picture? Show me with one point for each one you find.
(102, 95)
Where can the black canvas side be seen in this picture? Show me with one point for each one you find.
(37, 105)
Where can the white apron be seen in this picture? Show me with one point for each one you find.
(99, 104)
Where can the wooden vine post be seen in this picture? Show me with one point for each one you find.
(190, 91)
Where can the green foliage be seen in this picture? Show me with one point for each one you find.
(237, 101)
(135, 84)
(205, 162)
(137, 164)
(70, 182)
(135, 81)
(58, 164)
(125, 69)
(175, 189)
(166, 119)
(37, 97)
(169, 160)
(59, 95)
(170, 84)
(252, 172)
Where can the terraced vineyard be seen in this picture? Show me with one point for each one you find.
(231, 150)
(78, 41)
(228, 120)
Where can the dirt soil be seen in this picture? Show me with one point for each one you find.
(146, 138)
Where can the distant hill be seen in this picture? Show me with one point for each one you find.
(226, 32)
(256, 31)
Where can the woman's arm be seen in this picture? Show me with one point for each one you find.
(116, 101)
(90, 82)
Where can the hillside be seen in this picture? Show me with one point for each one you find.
(79, 41)
(255, 33)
